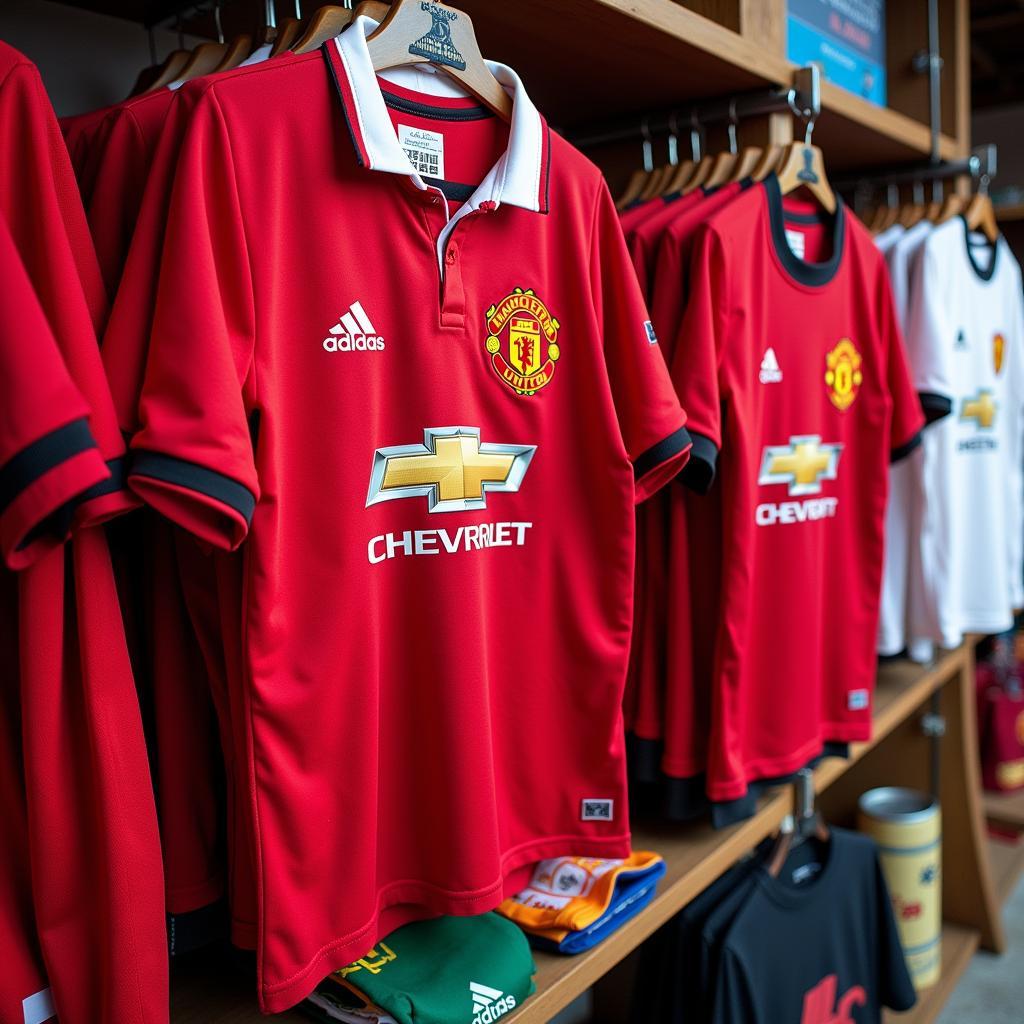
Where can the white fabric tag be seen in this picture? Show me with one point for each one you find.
(797, 242)
(425, 150)
(38, 1007)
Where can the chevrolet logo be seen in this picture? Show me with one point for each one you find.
(981, 409)
(451, 469)
(802, 464)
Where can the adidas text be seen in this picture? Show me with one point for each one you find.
(499, 1009)
(489, 1003)
(353, 333)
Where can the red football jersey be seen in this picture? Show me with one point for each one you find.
(790, 362)
(409, 402)
(95, 876)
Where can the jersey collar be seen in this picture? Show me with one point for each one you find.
(520, 175)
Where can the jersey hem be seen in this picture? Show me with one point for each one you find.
(282, 995)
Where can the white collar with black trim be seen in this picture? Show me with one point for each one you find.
(520, 175)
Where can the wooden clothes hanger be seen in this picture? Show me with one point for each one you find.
(447, 41)
(237, 50)
(326, 23)
(981, 216)
(770, 159)
(803, 166)
(203, 60)
(639, 178)
(687, 168)
(725, 163)
(169, 71)
(287, 33)
(662, 175)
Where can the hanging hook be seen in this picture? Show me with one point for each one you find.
(217, 22)
(673, 140)
(892, 195)
(806, 114)
(696, 136)
(270, 15)
(733, 144)
(918, 193)
(298, 10)
(648, 148)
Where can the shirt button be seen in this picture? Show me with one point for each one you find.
(450, 256)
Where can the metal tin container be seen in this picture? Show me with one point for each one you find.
(907, 825)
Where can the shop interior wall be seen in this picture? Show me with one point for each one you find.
(87, 60)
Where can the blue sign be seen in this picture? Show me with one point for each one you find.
(845, 38)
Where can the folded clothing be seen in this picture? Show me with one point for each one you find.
(448, 970)
(572, 903)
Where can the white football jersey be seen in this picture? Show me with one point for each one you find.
(902, 512)
(966, 333)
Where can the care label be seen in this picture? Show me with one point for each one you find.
(797, 242)
(425, 150)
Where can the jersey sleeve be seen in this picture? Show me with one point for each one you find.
(48, 457)
(192, 459)
(907, 416)
(695, 360)
(649, 415)
(929, 338)
(733, 1002)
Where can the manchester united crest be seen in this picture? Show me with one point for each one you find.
(998, 351)
(522, 341)
(843, 375)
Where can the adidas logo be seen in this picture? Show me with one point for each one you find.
(489, 1003)
(770, 372)
(354, 333)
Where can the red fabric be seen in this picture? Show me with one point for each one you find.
(799, 565)
(96, 880)
(459, 805)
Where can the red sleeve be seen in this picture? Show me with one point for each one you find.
(192, 459)
(48, 456)
(40, 205)
(907, 414)
(650, 417)
(695, 360)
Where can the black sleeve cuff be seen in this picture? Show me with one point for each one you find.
(35, 461)
(935, 406)
(661, 452)
(905, 449)
(196, 478)
(699, 472)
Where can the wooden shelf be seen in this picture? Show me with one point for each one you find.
(1010, 212)
(1007, 857)
(958, 946)
(663, 54)
(1005, 809)
(696, 855)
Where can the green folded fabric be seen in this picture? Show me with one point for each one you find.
(449, 970)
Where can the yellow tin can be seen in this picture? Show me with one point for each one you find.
(907, 825)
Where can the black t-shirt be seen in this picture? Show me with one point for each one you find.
(820, 951)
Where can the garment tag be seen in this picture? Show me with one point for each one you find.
(425, 150)
(38, 1007)
(805, 873)
(594, 809)
(797, 242)
(858, 700)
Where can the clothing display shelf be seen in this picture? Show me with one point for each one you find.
(665, 52)
(697, 854)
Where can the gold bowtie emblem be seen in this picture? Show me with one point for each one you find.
(802, 464)
(452, 469)
(981, 409)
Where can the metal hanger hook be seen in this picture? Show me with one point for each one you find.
(733, 143)
(648, 147)
(696, 136)
(270, 14)
(217, 22)
(806, 114)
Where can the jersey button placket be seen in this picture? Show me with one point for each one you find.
(453, 306)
